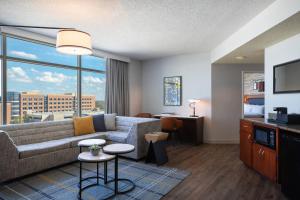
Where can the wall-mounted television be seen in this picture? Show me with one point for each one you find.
(286, 77)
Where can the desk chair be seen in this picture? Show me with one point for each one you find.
(172, 126)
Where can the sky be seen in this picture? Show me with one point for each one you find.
(29, 77)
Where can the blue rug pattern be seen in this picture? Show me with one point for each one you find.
(61, 183)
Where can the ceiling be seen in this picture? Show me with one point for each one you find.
(139, 29)
(253, 51)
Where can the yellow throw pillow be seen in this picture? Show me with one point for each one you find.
(83, 125)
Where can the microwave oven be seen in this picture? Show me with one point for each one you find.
(265, 136)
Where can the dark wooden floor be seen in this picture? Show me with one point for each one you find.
(217, 173)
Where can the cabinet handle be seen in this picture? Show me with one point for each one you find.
(245, 126)
(259, 152)
(249, 136)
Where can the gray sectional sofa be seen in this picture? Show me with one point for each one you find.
(32, 147)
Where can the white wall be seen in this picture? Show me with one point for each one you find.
(195, 70)
(135, 87)
(227, 101)
(282, 52)
(277, 12)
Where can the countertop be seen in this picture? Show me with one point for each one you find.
(292, 128)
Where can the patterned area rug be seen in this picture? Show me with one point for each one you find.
(61, 183)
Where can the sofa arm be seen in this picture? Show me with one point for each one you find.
(9, 156)
(137, 133)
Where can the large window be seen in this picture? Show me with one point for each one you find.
(42, 84)
(93, 85)
(93, 92)
(93, 62)
(33, 51)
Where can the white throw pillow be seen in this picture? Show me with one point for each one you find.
(257, 109)
(253, 109)
(247, 108)
(110, 121)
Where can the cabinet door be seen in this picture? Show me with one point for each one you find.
(264, 161)
(246, 126)
(270, 163)
(246, 143)
(256, 158)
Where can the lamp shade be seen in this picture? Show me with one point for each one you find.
(194, 100)
(74, 42)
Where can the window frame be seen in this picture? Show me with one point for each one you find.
(3, 56)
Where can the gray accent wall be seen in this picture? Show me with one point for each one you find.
(135, 87)
(195, 70)
(227, 101)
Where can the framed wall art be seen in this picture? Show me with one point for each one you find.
(173, 91)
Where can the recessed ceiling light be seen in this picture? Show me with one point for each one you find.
(240, 57)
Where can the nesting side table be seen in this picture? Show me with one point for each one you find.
(118, 149)
(87, 157)
(90, 142)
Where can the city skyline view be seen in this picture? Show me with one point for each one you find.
(33, 106)
(41, 83)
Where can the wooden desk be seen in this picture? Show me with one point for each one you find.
(192, 130)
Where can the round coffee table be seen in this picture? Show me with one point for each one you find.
(90, 142)
(118, 149)
(87, 157)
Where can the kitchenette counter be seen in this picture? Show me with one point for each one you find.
(292, 128)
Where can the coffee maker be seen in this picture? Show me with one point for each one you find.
(282, 117)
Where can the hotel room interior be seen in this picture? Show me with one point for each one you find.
(149, 99)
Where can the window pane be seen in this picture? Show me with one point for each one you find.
(40, 93)
(93, 93)
(93, 62)
(29, 50)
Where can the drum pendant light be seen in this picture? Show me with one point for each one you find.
(68, 40)
(74, 42)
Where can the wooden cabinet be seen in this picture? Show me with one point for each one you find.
(260, 158)
(264, 161)
(246, 142)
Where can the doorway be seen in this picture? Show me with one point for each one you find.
(253, 91)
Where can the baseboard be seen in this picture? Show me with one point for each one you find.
(222, 141)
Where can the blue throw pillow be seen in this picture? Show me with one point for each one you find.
(99, 124)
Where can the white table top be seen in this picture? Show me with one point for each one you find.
(118, 148)
(88, 157)
(90, 142)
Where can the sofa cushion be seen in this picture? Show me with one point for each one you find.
(99, 124)
(30, 150)
(37, 132)
(83, 125)
(110, 121)
(117, 136)
(74, 140)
